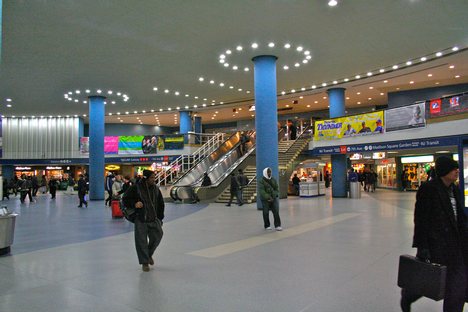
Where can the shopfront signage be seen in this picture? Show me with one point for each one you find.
(386, 146)
(85, 161)
(22, 168)
(112, 167)
(53, 168)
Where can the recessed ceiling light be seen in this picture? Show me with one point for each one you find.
(271, 44)
(324, 97)
(222, 61)
(297, 64)
(437, 83)
(246, 69)
(438, 54)
(455, 49)
(283, 92)
(308, 105)
(346, 80)
(8, 100)
(308, 57)
(381, 93)
(423, 59)
(369, 99)
(299, 49)
(306, 52)
(99, 91)
(287, 105)
(235, 67)
(303, 89)
(371, 88)
(287, 46)
(228, 52)
(335, 82)
(395, 66)
(226, 64)
(88, 91)
(347, 97)
(332, 3)
(358, 93)
(324, 84)
(201, 79)
(409, 63)
(357, 76)
(429, 75)
(8, 105)
(155, 89)
(314, 87)
(411, 82)
(457, 76)
(385, 81)
(109, 92)
(239, 48)
(358, 103)
(166, 91)
(369, 74)
(452, 66)
(254, 45)
(305, 61)
(285, 67)
(382, 70)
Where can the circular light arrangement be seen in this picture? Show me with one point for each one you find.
(77, 96)
(226, 58)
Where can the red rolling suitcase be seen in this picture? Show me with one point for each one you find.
(116, 212)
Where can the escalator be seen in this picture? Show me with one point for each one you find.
(218, 165)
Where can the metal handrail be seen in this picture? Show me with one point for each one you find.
(189, 161)
(302, 134)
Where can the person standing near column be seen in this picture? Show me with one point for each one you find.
(82, 189)
(235, 190)
(440, 234)
(269, 192)
(109, 182)
(147, 199)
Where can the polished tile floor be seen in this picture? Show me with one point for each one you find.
(333, 255)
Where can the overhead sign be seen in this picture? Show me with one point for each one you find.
(385, 146)
(356, 125)
(452, 105)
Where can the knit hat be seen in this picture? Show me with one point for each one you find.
(444, 165)
(147, 173)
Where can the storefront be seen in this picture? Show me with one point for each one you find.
(311, 173)
(417, 168)
(386, 173)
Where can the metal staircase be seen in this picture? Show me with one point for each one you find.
(288, 151)
(185, 162)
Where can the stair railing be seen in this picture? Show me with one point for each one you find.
(186, 162)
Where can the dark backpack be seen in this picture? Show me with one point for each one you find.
(129, 213)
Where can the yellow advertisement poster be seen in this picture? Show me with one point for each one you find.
(356, 125)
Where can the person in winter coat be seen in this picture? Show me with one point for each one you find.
(148, 202)
(440, 234)
(269, 192)
(108, 186)
(117, 187)
(235, 190)
(53, 187)
(82, 189)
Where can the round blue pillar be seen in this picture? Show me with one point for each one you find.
(266, 116)
(197, 125)
(96, 147)
(185, 123)
(8, 171)
(336, 101)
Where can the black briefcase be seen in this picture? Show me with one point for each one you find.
(419, 277)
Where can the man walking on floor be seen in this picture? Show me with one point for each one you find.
(82, 188)
(148, 202)
(235, 190)
(440, 234)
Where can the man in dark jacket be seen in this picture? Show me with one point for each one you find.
(109, 182)
(440, 234)
(235, 190)
(147, 199)
(269, 192)
(82, 188)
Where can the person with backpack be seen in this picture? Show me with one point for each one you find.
(148, 203)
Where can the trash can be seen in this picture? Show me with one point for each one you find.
(7, 231)
(354, 190)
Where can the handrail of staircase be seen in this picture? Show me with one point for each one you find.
(301, 135)
(190, 160)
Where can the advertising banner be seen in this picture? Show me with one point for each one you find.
(149, 144)
(170, 142)
(111, 145)
(131, 145)
(453, 105)
(407, 117)
(84, 145)
(357, 125)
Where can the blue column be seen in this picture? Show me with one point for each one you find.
(266, 116)
(185, 124)
(197, 128)
(96, 147)
(336, 100)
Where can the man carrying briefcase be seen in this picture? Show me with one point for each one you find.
(440, 234)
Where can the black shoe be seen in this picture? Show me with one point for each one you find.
(79, 206)
(86, 204)
(228, 205)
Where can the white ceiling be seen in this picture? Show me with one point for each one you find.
(52, 47)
